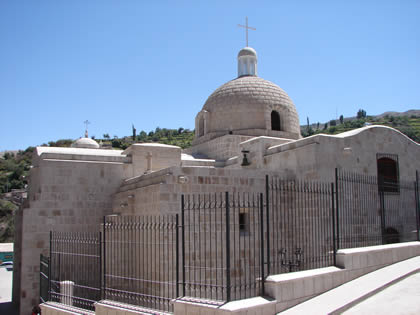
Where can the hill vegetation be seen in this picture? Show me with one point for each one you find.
(7, 226)
(407, 124)
(180, 137)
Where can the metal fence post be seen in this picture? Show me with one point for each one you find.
(183, 242)
(103, 276)
(416, 191)
(50, 268)
(268, 223)
(333, 225)
(382, 205)
(177, 255)
(262, 244)
(40, 277)
(337, 208)
(228, 288)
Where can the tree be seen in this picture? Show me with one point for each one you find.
(116, 143)
(134, 132)
(341, 119)
(106, 136)
(309, 131)
(333, 122)
(8, 156)
(142, 136)
(7, 210)
(361, 114)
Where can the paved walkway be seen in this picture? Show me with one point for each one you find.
(370, 294)
(400, 298)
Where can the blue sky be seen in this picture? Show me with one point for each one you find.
(154, 63)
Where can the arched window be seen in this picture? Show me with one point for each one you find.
(275, 120)
(388, 173)
(201, 127)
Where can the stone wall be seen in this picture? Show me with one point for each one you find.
(221, 148)
(314, 158)
(65, 195)
(160, 192)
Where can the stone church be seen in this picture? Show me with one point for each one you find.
(247, 128)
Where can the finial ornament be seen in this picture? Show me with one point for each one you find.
(246, 29)
(86, 122)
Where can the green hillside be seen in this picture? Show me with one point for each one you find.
(180, 137)
(6, 221)
(409, 125)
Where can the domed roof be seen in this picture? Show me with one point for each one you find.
(86, 143)
(248, 105)
(247, 89)
(245, 105)
(247, 51)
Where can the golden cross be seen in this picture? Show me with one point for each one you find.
(247, 28)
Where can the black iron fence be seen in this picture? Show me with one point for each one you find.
(75, 269)
(374, 212)
(300, 225)
(44, 278)
(141, 260)
(221, 247)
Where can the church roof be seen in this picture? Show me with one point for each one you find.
(247, 105)
(77, 151)
(250, 89)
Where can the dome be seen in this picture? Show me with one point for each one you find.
(248, 105)
(247, 91)
(247, 51)
(86, 143)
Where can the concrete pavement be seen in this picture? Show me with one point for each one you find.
(370, 294)
(400, 298)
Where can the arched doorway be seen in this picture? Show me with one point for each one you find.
(388, 174)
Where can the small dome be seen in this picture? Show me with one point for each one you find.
(86, 143)
(247, 51)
